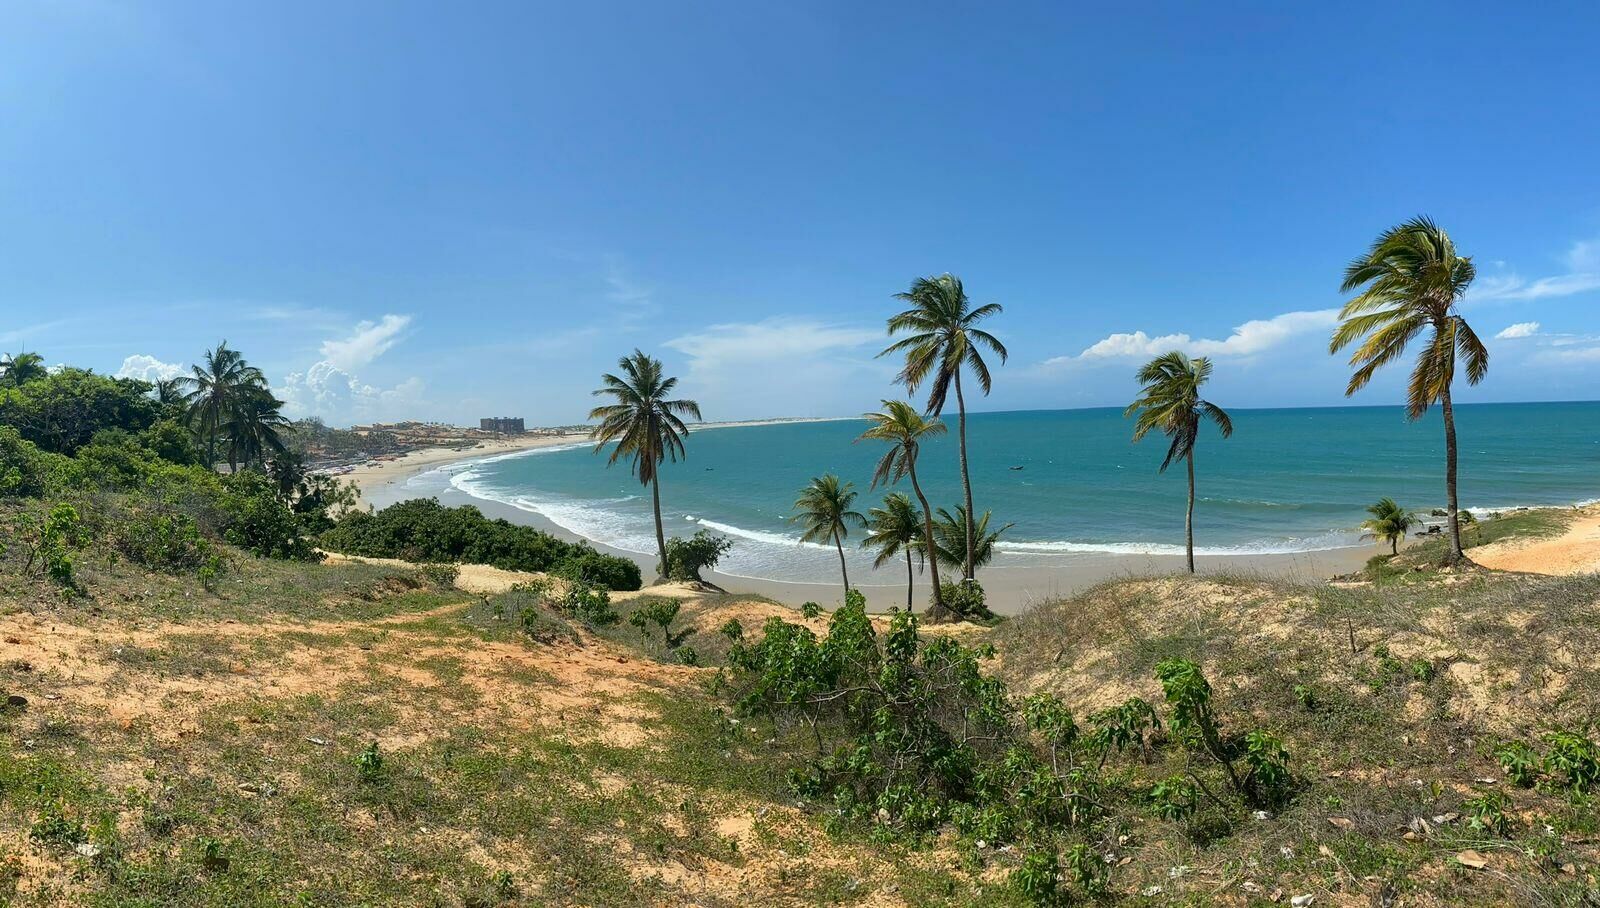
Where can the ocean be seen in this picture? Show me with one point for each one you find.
(1071, 482)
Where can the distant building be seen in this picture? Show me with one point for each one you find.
(502, 425)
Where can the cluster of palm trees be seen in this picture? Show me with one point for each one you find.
(1411, 281)
(227, 403)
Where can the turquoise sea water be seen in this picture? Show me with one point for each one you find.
(1289, 480)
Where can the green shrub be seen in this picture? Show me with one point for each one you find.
(686, 558)
(1037, 878)
(369, 764)
(166, 542)
(1519, 762)
(661, 612)
(256, 519)
(589, 604)
(965, 600)
(440, 575)
(1487, 813)
(62, 411)
(1573, 760)
(26, 471)
(813, 610)
(585, 565)
(424, 530)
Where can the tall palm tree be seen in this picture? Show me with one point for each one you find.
(944, 341)
(899, 424)
(949, 532)
(645, 426)
(1413, 281)
(896, 528)
(1389, 523)
(1170, 401)
(824, 510)
(17, 369)
(168, 391)
(214, 389)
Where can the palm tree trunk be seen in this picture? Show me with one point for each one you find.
(966, 481)
(844, 572)
(661, 538)
(1456, 555)
(1394, 545)
(1188, 517)
(911, 583)
(927, 536)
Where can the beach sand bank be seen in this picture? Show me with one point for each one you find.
(1012, 583)
(1575, 551)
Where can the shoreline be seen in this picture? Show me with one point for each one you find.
(1011, 588)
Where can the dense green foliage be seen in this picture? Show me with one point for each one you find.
(686, 558)
(60, 413)
(910, 735)
(425, 530)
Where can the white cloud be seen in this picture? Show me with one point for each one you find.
(783, 366)
(366, 343)
(1520, 329)
(1583, 275)
(148, 368)
(331, 390)
(1248, 339)
(340, 398)
(769, 340)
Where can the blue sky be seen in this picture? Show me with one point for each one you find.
(397, 211)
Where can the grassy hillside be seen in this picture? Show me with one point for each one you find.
(292, 733)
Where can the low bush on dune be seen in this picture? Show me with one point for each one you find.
(425, 530)
(686, 558)
(902, 735)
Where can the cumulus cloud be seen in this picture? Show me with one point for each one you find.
(331, 389)
(148, 368)
(1248, 339)
(339, 397)
(1520, 329)
(366, 343)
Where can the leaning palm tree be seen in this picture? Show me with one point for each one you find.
(944, 341)
(823, 508)
(17, 369)
(1389, 523)
(1414, 280)
(899, 424)
(896, 528)
(1170, 401)
(949, 536)
(644, 425)
(213, 391)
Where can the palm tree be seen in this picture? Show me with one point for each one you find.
(949, 532)
(168, 391)
(1414, 279)
(824, 510)
(17, 369)
(899, 424)
(213, 391)
(943, 341)
(253, 426)
(896, 528)
(1170, 401)
(1389, 522)
(645, 426)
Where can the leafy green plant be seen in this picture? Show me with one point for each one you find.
(1574, 759)
(1487, 813)
(1266, 780)
(660, 612)
(1174, 798)
(1037, 878)
(1306, 696)
(686, 655)
(732, 629)
(1131, 724)
(369, 764)
(589, 604)
(1519, 762)
(686, 558)
(440, 574)
(1268, 762)
(55, 828)
(966, 599)
(1087, 869)
(811, 610)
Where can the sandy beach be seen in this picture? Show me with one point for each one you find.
(1012, 587)
(1575, 551)
(373, 477)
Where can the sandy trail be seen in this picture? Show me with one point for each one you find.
(1576, 551)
